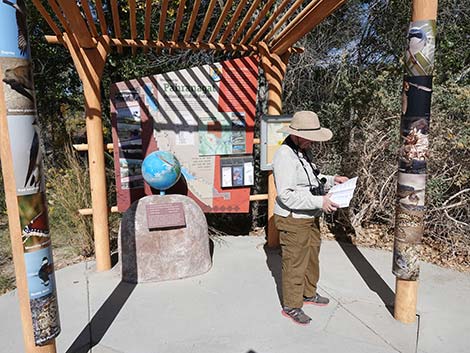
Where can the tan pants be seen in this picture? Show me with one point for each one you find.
(300, 246)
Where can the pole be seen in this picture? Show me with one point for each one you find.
(274, 67)
(90, 65)
(22, 168)
(415, 121)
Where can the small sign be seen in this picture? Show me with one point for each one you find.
(236, 171)
(165, 215)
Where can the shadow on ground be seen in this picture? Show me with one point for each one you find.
(370, 276)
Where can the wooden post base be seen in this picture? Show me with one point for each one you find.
(405, 300)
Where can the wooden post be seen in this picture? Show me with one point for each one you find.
(90, 64)
(274, 67)
(416, 100)
(16, 234)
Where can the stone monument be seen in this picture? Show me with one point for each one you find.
(163, 238)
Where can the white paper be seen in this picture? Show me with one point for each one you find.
(342, 194)
(226, 177)
(248, 171)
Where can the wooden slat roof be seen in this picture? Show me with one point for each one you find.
(233, 26)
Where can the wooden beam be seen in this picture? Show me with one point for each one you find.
(90, 65)
(179, 19)
(101, 17)
(177, 45)
(133, 22)
(48, 18)
(257, 21)
(183, 45)
(58, 12)
(82, 147)
(89, 211)
(246, 19)
(274, 67)
(259, 197)
(269, 22)
(77, 24)
(283, 19)
(161, 27)
(89, 17)
(116, 22)
(148, 21)
(308, 19)
(220, 22)
(207, 19)
(192, 20)
(233, 20)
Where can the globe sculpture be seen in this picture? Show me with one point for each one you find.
(161, 170)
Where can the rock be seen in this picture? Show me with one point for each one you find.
(163, 254)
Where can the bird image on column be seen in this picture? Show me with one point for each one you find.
(20, 8)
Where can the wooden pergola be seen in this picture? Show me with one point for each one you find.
(90, 30)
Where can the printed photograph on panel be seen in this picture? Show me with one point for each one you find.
(415, 145)
(416, 96)
(406, 260)
(45, 315)
(409, 224)
(40, 272)
(237, 176)
(18, 86)
(26, 153)
(34, 221)
(411, 190)
(14, 29)
(419, 57)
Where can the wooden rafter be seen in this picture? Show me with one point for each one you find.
(101, 17)
(233, 20)
(308, 19)
(161, 27)
(48, 18)
(192, 20)
(116, 21)
(207, 19)
(60, 16)
(89, 17)
(245, 20)
(133, 21)
(148, 19)
(220, 22)
(179, 19)
(257, 21)
(270, 21)
(280, 28)
(283, 19)
(77, 24)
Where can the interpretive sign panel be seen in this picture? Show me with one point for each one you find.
(270, 138)
(198, 114)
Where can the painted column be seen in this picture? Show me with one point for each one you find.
(22, 168)
(413, 154)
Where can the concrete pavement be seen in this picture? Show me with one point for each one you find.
(235, 307)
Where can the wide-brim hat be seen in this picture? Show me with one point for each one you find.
(306, 124)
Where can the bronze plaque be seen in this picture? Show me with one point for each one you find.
(165, 215)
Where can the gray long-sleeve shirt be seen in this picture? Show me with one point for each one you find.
(292, 185)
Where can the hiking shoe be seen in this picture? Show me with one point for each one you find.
(297, 315)
(317, 299)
